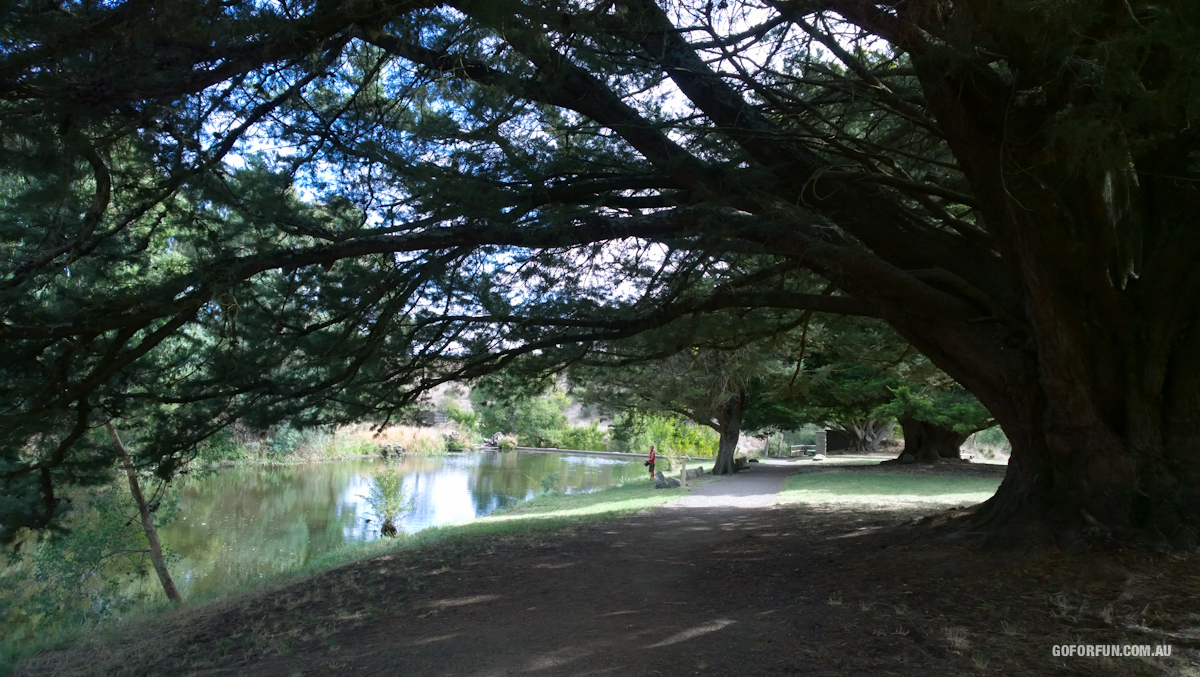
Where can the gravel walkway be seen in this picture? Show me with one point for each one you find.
(753, 488)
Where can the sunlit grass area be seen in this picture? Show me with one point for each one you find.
(883, 489)
(836, 459)
(614, 502)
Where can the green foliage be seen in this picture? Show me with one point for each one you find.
(806, 434)
(780, 441)
(356, 446)
(836, 388)
(387, 498)
(696, 382)
(456, 441)
(97, 570)
(952, 408)
(282, 444)
(583, 438)
(537, 420)
(855, 372)
(993, 437)
(219, 449)
(550, 482)
(283, 440)
(534, 411)
(672, 436)
(464, 419)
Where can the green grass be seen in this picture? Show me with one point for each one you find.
(838, 459)
(876, 489)
(613, 502)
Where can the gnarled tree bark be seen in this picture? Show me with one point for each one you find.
(929, 443)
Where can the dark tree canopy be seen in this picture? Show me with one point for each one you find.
(212, 211)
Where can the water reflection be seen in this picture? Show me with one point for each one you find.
(247, 522)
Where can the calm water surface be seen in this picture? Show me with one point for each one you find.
(247, 522)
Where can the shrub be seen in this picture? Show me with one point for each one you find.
(220, 448)
(534, 420)
(455, 441)
(348, 445)
(91, 571)
(387, 498)
(283, 440)
(583, 438)
(672, 436)
(467, 420)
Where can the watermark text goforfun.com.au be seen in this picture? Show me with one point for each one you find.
(1115, 650)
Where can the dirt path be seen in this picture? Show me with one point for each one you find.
(639, 596)
(746, 490)
(722, 582)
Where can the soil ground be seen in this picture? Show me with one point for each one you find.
(722, 582)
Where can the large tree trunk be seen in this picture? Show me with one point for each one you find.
(156, 556)
(1080, 475)
(1098, 385)
(866, 434)
(928, 443)
(729, 425)
(1069, 302)
(1103, 415)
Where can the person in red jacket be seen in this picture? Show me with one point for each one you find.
(650, 462)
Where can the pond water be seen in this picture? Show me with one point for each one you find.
(245, 523)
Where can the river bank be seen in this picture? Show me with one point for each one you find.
(546, 510)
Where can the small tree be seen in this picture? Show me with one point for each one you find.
(387, 498)
(146, 516)
(672, 435)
